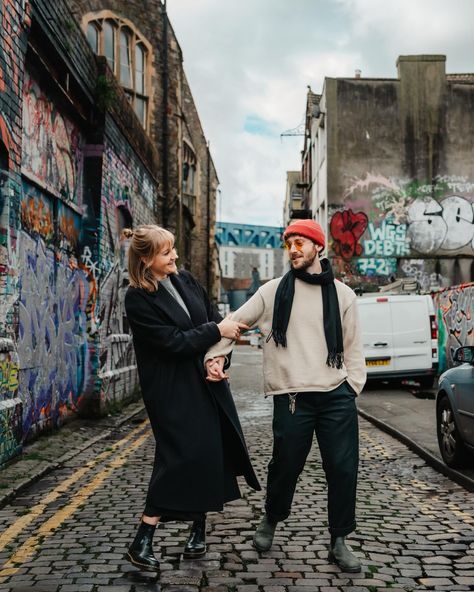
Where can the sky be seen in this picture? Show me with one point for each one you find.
(249, 63)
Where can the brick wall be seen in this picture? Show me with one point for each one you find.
(193, 241)
(76, 166)
(13, 32)
(129, 194)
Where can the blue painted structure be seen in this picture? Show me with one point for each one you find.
(248, 235)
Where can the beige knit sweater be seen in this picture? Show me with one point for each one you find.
(301, 366)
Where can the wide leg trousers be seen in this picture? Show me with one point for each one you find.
(332, 416)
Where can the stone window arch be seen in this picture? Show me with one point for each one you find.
(128, 55)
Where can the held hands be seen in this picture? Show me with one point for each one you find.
(215, 369)
(231, 329)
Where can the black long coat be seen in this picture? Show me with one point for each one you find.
(200, 445)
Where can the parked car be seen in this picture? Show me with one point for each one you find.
(455, 410)
(400, 337)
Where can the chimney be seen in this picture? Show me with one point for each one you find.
(421, 110)
(358, 73)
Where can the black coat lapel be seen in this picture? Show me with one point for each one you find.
(163, 299)
(192, 298)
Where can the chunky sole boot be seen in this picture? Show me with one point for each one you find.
(140, 553)
(195, 546)
(263, 537)
(343, 558)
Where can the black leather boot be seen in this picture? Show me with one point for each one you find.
(343, 557)
(263, 537)
(196, 543)
(140, 552)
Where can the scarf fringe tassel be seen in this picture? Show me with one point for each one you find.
(335, 359)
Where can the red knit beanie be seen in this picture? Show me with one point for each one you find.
(307, 228)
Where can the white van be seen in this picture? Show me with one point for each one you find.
(400, 336)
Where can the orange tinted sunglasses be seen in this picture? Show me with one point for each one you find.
(298, 243)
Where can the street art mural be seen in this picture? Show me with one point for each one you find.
(52, 340)
(447, 225)
(455, 312)
(128, 193)
(424, 272)
(10, 405)
(10, 429)
(385, 223)
(346, 229)
(8, 369)
(373, 266)
(37, 213)
(52, 152)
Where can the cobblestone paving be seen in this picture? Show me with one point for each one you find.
(70, 530)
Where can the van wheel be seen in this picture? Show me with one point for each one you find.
(450, 444)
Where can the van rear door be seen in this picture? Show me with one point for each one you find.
(411, 333)
(376, 325)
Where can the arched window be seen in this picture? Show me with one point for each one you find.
(109, 44)
(125, 59)
(128, 56)
(189, 178)
(93, 36)
(141, 100)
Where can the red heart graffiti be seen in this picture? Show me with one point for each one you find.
(346, 229)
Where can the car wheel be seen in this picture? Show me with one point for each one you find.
(451, 446)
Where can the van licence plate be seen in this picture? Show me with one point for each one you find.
(378, 362)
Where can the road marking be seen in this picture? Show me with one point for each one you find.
(23, 521)
(47, 529)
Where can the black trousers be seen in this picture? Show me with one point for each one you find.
(332, 416)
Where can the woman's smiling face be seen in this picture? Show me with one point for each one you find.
(164, 262)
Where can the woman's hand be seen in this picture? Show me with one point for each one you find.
(231, 329)
(215, 369)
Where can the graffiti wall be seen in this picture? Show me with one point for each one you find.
(52, 342)
(128, 195)
(14, 22)
(455, 312)
(52, 145)
(394, 227)
(10, 405)
(65, 196)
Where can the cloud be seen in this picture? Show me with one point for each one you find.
(249, 65)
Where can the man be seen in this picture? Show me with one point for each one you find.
(314, 367)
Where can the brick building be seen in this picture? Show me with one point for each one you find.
(85, 150)
(388, 170)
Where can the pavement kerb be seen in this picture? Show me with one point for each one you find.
(34, 477)
(432, 460)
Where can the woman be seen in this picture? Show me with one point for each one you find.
(201, 447)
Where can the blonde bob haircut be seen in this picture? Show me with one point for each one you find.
(147, 241)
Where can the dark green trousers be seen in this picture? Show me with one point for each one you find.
(332, 416)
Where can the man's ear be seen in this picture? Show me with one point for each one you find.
(320, 249)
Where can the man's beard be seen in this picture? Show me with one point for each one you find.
(306, 263)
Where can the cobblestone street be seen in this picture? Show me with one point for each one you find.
(69, 531)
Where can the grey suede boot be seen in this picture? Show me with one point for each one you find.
(341, 556)
(263, 537)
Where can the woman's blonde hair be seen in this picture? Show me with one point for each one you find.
(147, 241)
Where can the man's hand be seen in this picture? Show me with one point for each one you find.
(215, 369)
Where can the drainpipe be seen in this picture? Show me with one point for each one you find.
(165, 123)
(208, 226)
